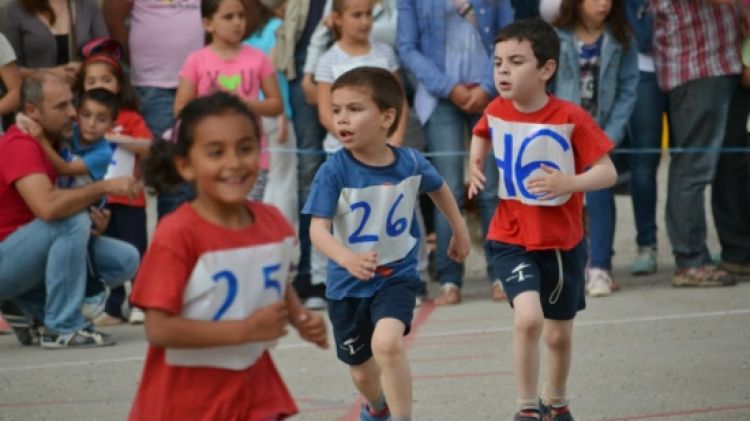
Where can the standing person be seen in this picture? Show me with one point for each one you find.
(102, 69)
(212, 316)
(44, 230)
(263, 22)
(699, 74)
(645, 132)
(366, 192)
(447, 45)
(598, 70)
(10, 78)
(157, 36)
(225, 63)
(548, 151)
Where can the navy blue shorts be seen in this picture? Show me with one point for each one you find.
(521, 270)
(354, 319)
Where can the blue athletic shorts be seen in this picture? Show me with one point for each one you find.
(354, 319)
(541, 270)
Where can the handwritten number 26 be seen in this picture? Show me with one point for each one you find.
(392, 228)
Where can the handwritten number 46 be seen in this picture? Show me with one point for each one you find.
(232, 286)
(392, 228)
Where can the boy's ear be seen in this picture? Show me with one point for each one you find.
(182, 164)
(548, 70)
(388, 118)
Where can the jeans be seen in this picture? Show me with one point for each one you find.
(698, 112)
(730, 195)
(310, 135)
(600, 207)
(644, 131)
(43, 269)
(445, 131)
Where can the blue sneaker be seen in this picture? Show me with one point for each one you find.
(366, 414)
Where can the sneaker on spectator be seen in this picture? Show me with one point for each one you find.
(644, 262)
(107, 320)
(25, 329)
(84, 338)
(599, 283)
(450, 294)
(367, 414)
(497, 293)
(733, 268)
(93, 306)
(137, 316)
(702, 276)
(556, 413)
(528, 414)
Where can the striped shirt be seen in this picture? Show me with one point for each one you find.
(694, 39)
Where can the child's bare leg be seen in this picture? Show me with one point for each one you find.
(558, 337)
(366, 378)
(390, 353)
(528, 321)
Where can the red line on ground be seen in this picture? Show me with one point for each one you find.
(424, 313)
(670, 414)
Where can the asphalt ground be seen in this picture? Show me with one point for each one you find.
(648, 352)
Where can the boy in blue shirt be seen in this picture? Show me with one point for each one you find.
(362, 208)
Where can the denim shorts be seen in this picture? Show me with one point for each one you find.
(354, 319)
(557, 275)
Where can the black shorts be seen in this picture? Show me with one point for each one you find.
(521, 270)
(354, 319)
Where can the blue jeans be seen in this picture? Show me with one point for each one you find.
(310, 135)
(698, 112)
(644, 131)
(445, 132)
(600, 207)
(43, 269)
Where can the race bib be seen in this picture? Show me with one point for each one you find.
(378, 218)
(521, 148)
(230, 285)
(122, 163)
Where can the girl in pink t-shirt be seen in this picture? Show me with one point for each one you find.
(225, 64)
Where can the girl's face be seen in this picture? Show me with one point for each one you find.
(100, 75)
(227, 24)
(223, 160)
(595, 11)
(355, 21)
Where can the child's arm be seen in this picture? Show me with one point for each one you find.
(360, 265)
(325, 115)
(62, 167)
(11, 78)
(479, 148)
(138, 146)
(602, 174)
(167, 330)
(310, 326)
(272, 105)
(460, 244)
(186, 92)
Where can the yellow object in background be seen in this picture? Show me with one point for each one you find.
(664, 132)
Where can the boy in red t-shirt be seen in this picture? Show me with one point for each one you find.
(547, 151)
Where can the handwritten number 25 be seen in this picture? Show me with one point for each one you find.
(232, 286)
(392, 228)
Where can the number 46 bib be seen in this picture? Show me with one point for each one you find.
(230, 285)
(520, 150)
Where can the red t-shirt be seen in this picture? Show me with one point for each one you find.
(546, 227)
(168, 392)
(131, 123)
(20, 155)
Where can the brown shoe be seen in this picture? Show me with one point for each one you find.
(497, 293)
(702, 276)
(741, 269)
(450, 294)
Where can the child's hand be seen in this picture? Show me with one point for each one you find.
(29, 126)
(311, 328)
(362, 265)
(460, 244)
(267, 323)
(283, 128)
(476, 178)
(309, 89)
(552, 184)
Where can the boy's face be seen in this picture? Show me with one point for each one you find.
(358, 122)
(94, 120)
(517, 75)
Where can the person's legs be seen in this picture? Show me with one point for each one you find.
(558, 338)
(127, 223)
(600, 207)
(528, 321)
(114, 260)
(445, 133)
(389, 352)
(698, 112)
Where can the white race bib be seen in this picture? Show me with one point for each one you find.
(122, 164)
(378, 218)
(521, 148)
(230, 285)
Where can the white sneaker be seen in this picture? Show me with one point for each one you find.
(599, 283)
(137, 317)
(93, 306)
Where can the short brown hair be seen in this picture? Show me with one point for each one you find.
(385, 89)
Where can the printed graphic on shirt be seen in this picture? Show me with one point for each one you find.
(122, 164)
(245, 83)
(230, 285)
(520, 150)
(378, 218)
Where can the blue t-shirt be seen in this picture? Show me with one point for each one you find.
(372, 209)
(96, 156)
